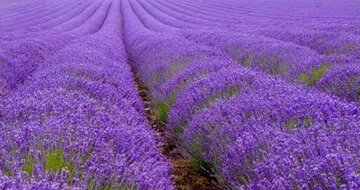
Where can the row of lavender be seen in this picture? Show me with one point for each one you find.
(317, 14)
(70, 117)
(250, 129)
(22, 44)
(324, 56)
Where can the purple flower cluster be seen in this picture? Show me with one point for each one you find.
(231, 99)
(75, 121)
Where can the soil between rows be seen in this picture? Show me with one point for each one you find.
(185, 177)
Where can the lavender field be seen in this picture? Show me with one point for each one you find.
(180, 94)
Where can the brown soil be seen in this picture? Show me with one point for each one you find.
(185, 177)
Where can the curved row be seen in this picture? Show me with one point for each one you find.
(249, 129)
(78, 122)
(278, 57)
(64, 23)
(38, 17)
(21, 57)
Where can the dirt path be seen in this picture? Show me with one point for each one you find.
(185, 176)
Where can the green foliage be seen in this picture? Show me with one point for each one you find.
(163, 109)
(232, 91)
(316, 74)
(8, 172)
(291, 123)
(304, 78)
(54, 160)
(71, 168)
(29, 164)
(308, 122)
(294, 122)
(197, 161)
